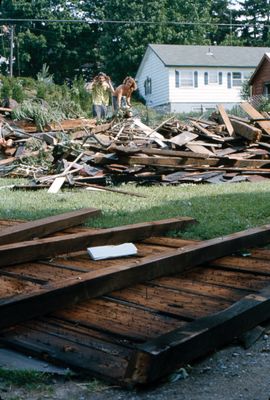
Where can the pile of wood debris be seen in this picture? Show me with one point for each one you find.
(81, 153)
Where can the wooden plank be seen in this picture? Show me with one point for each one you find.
(57, 184)
(247, 131)
(147, 130)
(254, 114)
(171, 153)
(46, 226)
(49, 138)
(225, 119)
(197, 148)
(41, 248)
(183, 138)
(100, 282)
(168, 161)
(161, 356)
(206, 132)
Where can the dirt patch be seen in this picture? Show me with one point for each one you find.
(230, 374)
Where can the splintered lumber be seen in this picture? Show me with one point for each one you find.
(256, 116)
(57, 184)
(106, 189)
(102, 281)
(206, 132)
(45, 226)
(148, 131)
(183, 138)
(172, 153)
(168, 161)
(49, 138)
(197, 148)
(226, 119)
(65, 244)
(70, 124)
(155, 358)
(246, 130)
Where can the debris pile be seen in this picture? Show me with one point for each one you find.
(80, 152)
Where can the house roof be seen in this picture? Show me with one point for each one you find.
(266, 56)
(215, 56)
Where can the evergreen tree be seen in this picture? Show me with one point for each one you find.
(255, 13)
(225, 16)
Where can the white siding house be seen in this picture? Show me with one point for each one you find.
(178, 78)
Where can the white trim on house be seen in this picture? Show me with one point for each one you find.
(187, 87)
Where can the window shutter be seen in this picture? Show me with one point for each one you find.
(177, 79)
(229, 80)
(195, 78)
(220, 78)
(206, 78)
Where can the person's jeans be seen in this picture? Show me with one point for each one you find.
(115, 102)
(99, 111)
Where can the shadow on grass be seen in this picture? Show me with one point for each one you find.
(217, 215)
(219, 210)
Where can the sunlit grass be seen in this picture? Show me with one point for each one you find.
(220, 209)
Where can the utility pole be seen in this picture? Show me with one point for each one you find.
(11, 50)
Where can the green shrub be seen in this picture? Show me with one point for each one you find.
(17, 92)
(6, 90)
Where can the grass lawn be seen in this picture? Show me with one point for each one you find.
(220, 209)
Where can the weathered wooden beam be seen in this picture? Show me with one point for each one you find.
(247, 131)
(45, 226)
(99, 282)
(254, 114)
(168, 161)
(161, 356)
(225, 119)
(206, 132)
(161, 152)
(178, 163)
(41, 248)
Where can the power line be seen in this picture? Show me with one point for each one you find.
(129, 22)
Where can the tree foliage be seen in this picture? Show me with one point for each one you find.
(122, 45)
(112, 35)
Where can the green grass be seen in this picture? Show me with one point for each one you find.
(220, 209)
(30, 380)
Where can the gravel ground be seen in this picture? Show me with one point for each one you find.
(229, 374)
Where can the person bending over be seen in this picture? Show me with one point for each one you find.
(122, 94)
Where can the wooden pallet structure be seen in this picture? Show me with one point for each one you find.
(132, 320)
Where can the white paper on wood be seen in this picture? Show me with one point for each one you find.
(112, 251)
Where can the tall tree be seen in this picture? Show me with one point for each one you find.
(134, 24)
(256, 16)
(64, 46)
(224, 14)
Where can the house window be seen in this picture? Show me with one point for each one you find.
(195, 78)
(148, 86)
(186, 78)
(229, 80)
(212, 78)
(177, 79)
(220, 78)
(237, 79)
(266, 89)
